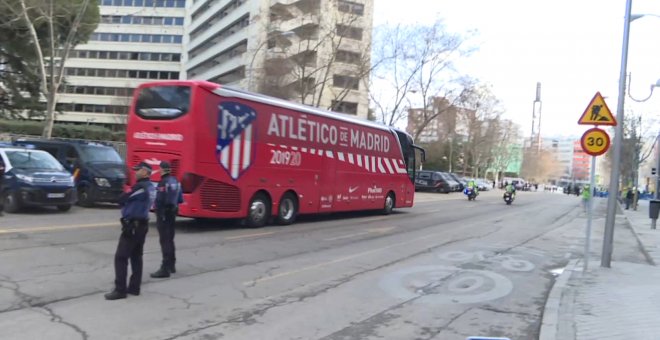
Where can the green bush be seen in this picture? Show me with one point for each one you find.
(35, 128)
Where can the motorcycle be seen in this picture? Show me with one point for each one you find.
(470, 193)
(508, 198)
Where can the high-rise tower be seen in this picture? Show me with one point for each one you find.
(536, 120)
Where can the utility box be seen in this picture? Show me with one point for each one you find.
(654, 209)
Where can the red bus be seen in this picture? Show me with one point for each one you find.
(249, 156)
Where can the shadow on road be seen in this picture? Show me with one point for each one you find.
(210, 225)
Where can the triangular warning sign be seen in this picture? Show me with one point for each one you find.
(597, 113)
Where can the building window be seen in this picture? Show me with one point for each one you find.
(345, 107)
(145, 38)
(213, 40)
(348, 57)
(351, 7)
(144, 3)
(109, 73)
(346, 82)
(349, 32)
(141, 20)
(106, 91)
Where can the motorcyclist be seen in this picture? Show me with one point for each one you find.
(510, 189)
(472, 185)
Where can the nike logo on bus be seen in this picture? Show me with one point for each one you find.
(352, 190)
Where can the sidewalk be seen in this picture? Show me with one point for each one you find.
(621, 302)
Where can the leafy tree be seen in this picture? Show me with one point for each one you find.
(52, 28)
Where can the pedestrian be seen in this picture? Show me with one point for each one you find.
(168, 198)
(135, 206)
(586, 197)
(629, 198)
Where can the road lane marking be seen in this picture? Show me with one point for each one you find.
(368, 231)
(346, 236)
(238, 237)
(339, 260)
(56, 228)
(357, 255)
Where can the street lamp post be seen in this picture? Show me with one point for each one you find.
(256, 51)
(606, 258)
(657, 141)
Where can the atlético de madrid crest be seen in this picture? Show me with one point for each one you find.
(234, 148)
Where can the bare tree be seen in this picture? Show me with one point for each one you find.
(54, 30)
(304, 69)
(414, 60)
(540, 166)
(481, 117)
(505, 151)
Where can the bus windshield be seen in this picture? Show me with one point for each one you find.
(163, 102)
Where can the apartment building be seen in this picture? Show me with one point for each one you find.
(136, 41)
(311, 51)
(447, 124)
(563, 149)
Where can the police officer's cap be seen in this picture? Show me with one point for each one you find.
(142, 165)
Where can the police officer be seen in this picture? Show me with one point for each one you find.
(135, 225)
(168, 198)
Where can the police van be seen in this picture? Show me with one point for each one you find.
(99, 172)
(34, 178)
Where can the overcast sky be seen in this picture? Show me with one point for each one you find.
(573, 47)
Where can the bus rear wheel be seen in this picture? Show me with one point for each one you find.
(389, 204)
(258, 211)
(288, 209)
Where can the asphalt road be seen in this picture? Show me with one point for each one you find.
(445, 269)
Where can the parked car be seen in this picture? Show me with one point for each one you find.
(453, 184)
(34, 178)
(460, 180)
(98, 170)
(432, 181)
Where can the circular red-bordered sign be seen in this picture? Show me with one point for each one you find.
(595, 142)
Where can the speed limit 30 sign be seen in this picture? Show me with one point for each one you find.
(595, 142)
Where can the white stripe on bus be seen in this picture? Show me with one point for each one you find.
(341, 156)
(236, 156)
(224, 157)
(380, 166)
(359, 160)
(329, 154)
(388, 165)
(350, 158)
(247, 147)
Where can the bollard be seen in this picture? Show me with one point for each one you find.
(654, 209)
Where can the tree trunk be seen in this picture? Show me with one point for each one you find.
(50, 115)
(451, 153)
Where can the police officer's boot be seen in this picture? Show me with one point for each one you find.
(161, 273)
(171, 268)
(115, 295)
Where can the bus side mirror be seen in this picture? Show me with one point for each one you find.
(422, 152)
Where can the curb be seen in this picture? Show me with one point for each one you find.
(648, 257)
(550, 321)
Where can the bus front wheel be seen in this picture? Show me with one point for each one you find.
(288, 209)
(258, 211)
